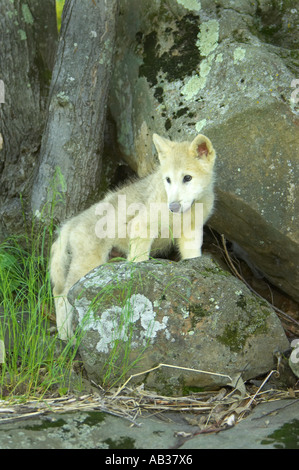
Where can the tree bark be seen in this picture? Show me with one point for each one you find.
(74, 132)
(28, 32)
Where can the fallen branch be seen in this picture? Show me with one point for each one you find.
(172, 367)
(238, 275)
(213, 411)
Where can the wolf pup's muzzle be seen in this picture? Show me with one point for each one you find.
(175, 207)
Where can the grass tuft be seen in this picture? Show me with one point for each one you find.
(34, 361)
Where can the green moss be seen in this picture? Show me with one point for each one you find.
(198, 313)
(190, 390)
(219, 271)
(181, 112)
(159, 92)
(180, 61)
(236, 333)
(269, 23)
(122, 443)
(286, 437)
(59, 423)
(28, 18)
(214, 270)
(151, 64)
(241, 302)
(233, 337)
(164, 383)
(22, 34)
(240, 36)
(94, 418)
(168, 124)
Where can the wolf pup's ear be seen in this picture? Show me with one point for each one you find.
(162, 145)
(202, 148)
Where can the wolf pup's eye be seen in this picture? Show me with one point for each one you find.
(187, 178)
(168, 180)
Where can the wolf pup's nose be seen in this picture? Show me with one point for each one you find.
(175, 206)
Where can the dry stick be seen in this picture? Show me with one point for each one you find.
(257, 392)
(119, 415)
(23, 416)
(63, 408)
(231, 264)
(238, 275)
(261, 386)
(170, 366)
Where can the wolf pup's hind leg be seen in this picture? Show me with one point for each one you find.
(64, 277)
(63, 317)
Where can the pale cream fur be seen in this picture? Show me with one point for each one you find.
(79, 249)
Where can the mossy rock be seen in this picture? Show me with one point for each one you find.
(136, 316)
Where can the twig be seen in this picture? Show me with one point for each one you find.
(97, 386)
(172, 367)
(293, 402)
(130, 407)
(238, 275)
(119, 415)
(231, 264)
(257, 392)
(22, 416)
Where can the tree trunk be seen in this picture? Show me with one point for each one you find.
(28, 42)
(74, 132)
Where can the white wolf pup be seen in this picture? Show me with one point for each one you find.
(181, 182)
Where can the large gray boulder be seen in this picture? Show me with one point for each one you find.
(189, 314)
(228, 70)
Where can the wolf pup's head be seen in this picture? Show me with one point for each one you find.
(187, 169)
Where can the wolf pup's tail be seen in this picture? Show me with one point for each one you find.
(59, 260)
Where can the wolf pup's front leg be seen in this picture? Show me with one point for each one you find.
(190, 242)
(187, 172)
(139, 241)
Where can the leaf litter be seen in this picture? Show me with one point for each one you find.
(208, 411)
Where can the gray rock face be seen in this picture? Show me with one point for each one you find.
(189, 314)
(271, 425)
(227, 70)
